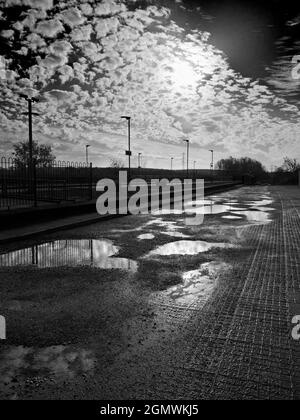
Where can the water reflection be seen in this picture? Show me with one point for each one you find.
(232, 217)
(188, 248)
(71, 253)
(146, 236)
(60, 361)
(255, 216)
(176, 234)
(260, 203)
(197, 284)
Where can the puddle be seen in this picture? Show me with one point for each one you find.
(232, 217)
(215, 209)
(187, 248)
(263, 209)
(60, 362)
(163, 223)
(197, 284)
(146, 236)
(231, 203)
(255, 216)
(238, 209)
(176, 234)
(260, 203)
(166, 212)
(169, 226)
(70, 253)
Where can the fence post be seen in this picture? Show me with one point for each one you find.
(91, 181)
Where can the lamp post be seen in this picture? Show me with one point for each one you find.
(31, 163)
(187, 158)
(172, 160)
(140, 160)
(128, 152)
(30, 101)
(212, 164)
(87, 153)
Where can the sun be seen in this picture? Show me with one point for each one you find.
(183, 74)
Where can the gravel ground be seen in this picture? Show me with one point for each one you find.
(211, 325)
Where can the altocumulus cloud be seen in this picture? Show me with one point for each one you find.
(93, 61)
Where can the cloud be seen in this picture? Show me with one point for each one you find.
(82, 34)
(49, 28)
(7, 33)
(35, 4)
(109, 61)
(106, 26)
(280, 74)
(72, 17)
(109, 8)
(60, 96)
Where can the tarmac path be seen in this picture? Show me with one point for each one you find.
(191, 313)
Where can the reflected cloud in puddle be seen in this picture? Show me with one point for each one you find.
(200, 208)
(232, 217)
(163, 223)
(260, 203)
(57, 361)
(176, 234)
(255, 216)
(146, 236)
(197, 284)
(69, 253)
(215, 209)
(170, 227)
(187, 248)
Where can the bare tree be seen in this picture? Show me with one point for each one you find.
(290, 165)
(117, 164)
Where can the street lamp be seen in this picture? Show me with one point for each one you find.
(30, 101)
(187, 159)
(212, 159)
(128, 152)
(212, 164)
(31, 163)
(87, 153)
(172, 159)
(140, 160)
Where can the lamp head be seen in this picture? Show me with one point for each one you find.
(27, 98)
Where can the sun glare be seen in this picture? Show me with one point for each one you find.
(183, 74)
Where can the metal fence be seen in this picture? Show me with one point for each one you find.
(23, 186)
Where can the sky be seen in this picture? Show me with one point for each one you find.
(223, 74)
